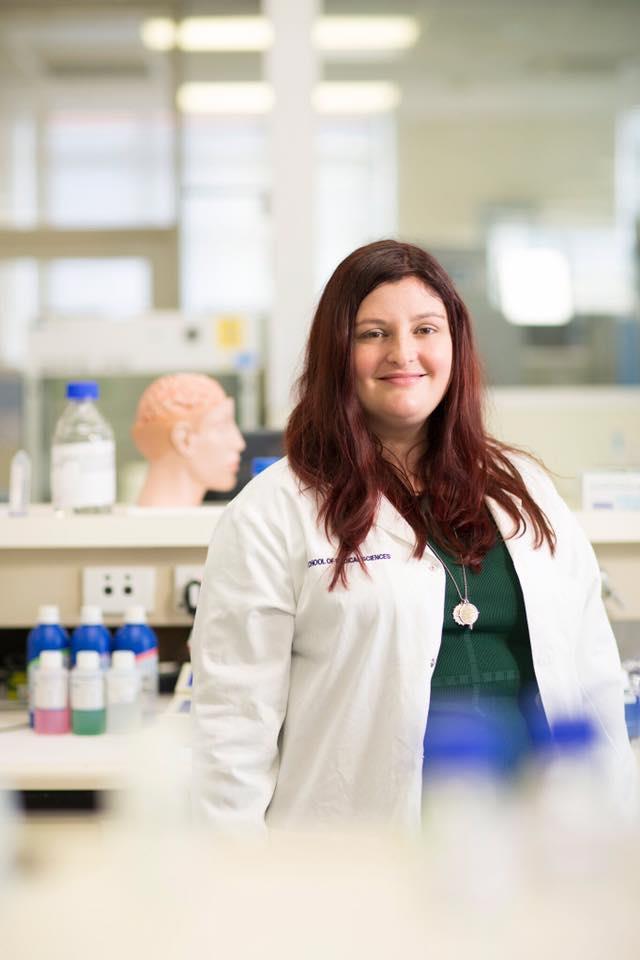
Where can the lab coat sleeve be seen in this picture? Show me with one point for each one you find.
(600, 677)
(241, 654)
(596, 657)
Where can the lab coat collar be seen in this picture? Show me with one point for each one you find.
(390, 520)
(394, 523)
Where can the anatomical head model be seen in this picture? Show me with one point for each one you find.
(185, 427)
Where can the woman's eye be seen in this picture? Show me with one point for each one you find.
(426, 329)
(371, 335)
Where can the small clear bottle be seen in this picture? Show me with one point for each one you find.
(88, 707)
(83, 466)
(20, 484)
(124, 707)
(51, 694)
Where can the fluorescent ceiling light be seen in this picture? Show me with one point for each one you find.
(225, 98)
(535, 287)
(257, 98)
(160, 33)
(256, 33)
(356, 98)
(365, 33)
(225, 33)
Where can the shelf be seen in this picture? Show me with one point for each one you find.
(610, 526)
(44, 529)
(126, 526)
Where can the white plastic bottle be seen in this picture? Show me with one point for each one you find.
(88, 706)
(83, 465)
(124, 707)
(51, 694)
(20, 484)
(578, 814)
(467, 813)
(48, 634)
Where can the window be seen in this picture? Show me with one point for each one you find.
(108, 168)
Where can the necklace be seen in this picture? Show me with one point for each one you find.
(465, 613)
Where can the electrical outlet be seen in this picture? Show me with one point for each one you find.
(183, 575)
(114, 589)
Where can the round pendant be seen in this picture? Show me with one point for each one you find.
(466, 614)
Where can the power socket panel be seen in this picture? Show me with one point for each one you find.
(114, 589)
(183, 575)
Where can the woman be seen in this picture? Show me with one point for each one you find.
(397, 549)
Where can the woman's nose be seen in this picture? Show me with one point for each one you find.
(402, 350)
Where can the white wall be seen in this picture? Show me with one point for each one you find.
(561, 164)
(571, 429)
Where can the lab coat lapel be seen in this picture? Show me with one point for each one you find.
(534, 569)
(530, 564)
(390, 520)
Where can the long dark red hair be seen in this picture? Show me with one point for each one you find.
(332, 450)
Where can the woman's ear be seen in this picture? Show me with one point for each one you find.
(182, 438)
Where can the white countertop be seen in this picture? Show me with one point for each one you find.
(30, 761)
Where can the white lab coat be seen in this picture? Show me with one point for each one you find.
(310, 707)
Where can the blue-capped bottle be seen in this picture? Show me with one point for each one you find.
(581, 811)
(91, 634)
(258, 464)
(137, 635)
(83, 463)
(48, 634)
(469, 831)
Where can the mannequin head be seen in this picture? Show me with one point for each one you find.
(185, 428)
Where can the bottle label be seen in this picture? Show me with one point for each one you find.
(87, 691)
(147, 665)
(122, 689)
(51, 690)
(32, 673)
(83, 474)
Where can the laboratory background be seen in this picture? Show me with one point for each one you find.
(178, 181)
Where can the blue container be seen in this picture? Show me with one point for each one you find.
(258, 464)
(632, 715)
(137, 635)
(48, 634)
(91, 635)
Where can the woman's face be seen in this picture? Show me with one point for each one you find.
(403, 354)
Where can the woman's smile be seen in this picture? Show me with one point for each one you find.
(403, 379)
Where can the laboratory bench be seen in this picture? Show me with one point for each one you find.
(58, 776)
(38, 762)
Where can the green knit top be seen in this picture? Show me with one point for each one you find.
(489, 667)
